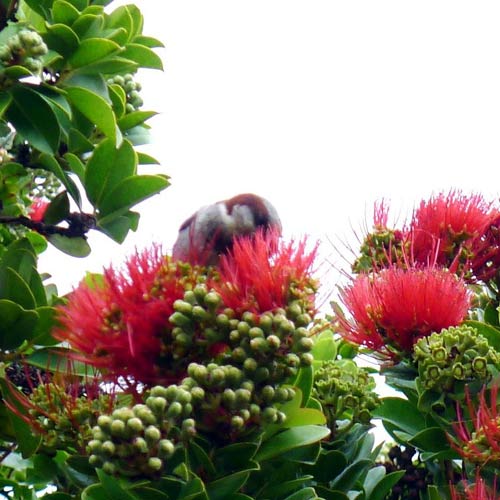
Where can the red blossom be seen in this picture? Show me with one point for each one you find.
(37, 210)
(117, 323)
(447, 226)
(479, 490)
(477, 438)
(394, 308)
(262, 273)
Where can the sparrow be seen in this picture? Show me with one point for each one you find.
(210, 231)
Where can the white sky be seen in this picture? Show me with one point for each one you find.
(321, 106)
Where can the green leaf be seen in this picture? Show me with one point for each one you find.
(145, 159)
(150, 494)
(148, 41)
(135, 118)
(89, 25)
(350, 475)
(303, 494)
(278, 490)
(199, 459)
(79, 4)
(433, 493)
(382, 488)
(289, 439)
(58, 359)
(92, 50)
(227, 486)
(118, 226)
(113, 487)
(432, 439)
(110, 66)
(62, 39)
(64, 13)
(118, 98)
(329, 465)
(76, 247)
(42, 334)
(14, 287)
(17, 324)
(76, 165)
(131, 191)
(97, 110)
(325, 347)
(402, 414)
(234, 457)
(304, 455)
(328, 494)
(78, 143)
(95, 83)
(107, 168)
(58, 209)
(52, 165)
(121, 18)
(5, 100)
(143, 56)
(305, 416)
(304, 382)
(34, 119)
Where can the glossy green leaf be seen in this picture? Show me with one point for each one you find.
(304, 381)
(118, 98)
(278, 490)
(148, 41)
(62, 39)
(304, 455)
(235, 456)
(58, 209)
(88, 25)
(137, 19)
(131, 191)
(97, 110)
(76, 247)
(109, 66)
(91, 50)
(135, 118)
(199, 459)
(107, 168)
(75, 165)
(432, 439)
(17, 324)
(14, 287)
(42, 334)
(145, 159)
(50, 163)
(78, 143)
(305, 416)
(95, 83)
(64, 13)
(121, 18)
(40, 6)
(194, 490)
(325, 347)
(34, 119)
(79, 4)
(382, 488)
(17, 72)
(433, 493)
(223, 488)
(303, 494)
(118, 226)
(5, 100)
(330, 464)
(113, 487)
(57, 359)
(142, 55)
(150, 494)
(289, 439)
(328, 494)
(402, 414)
(350, 475)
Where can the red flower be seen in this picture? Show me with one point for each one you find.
(37, 210)
(477, 439)
(446, 226)
(392, 309)
(477, 491)
(262, 273)
(119, 324)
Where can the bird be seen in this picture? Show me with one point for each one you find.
(210, 231)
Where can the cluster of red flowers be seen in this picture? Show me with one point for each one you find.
(395, 307)
(477, 491)
(120, 322)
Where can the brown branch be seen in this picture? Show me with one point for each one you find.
(79, 224)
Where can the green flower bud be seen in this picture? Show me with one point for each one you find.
(200, 314)
(294, 310)
(108, 448)
(183, 307)
(267, 393)
(179, 319)
(243, 396)
(155, 464)
(250, 365)
(237, 422)
(222, 321)
(259, 344)
(273, 342)
(305, 344)
(307, 359)
(135, 425)
(212, 300)
(118, 428)
(266, 323)
(174, 410)
(200, 291)
(104, 422)
(459, 371)
(140, 444)
(270, 415)
(479, 364)
(254, 410)
(94, 446)
(166, 448)
(159, 391)
(239, 355)
(95, 461)
(109, 468)
(303, 320)
(157, 404)
(261, 374)
(198, 394)
(439, 354)
(190, 297)
(152, 434)
(243, 328)
(256, 332)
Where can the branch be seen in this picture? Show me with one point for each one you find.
(79, 224)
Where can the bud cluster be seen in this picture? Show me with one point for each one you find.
(140, 440)
(64, 416)
(228, 403)
(131, 88)
(25, 48)
(346, 393)
(455, 354)
(379, 249)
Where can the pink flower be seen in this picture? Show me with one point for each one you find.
(262, 273)
(120, 323)
(477, 439)
(392, 309)
(448, 225)
(37, 210)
